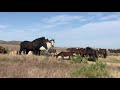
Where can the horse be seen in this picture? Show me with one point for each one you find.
(102, 52)
(50, 45)
(63, 54)
(26, 46)
(34, 46)
(91, 53)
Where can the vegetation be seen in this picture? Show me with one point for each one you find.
(10, 42)
(78, 59)
(31, 66)
(97, 70)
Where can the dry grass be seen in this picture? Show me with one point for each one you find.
(23, 66)
(31, 66)
(113, 65)
(10, 46)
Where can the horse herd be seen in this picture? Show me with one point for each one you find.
(42, 44)
(88, 53)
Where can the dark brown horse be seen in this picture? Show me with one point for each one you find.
(91, 53)
(34, 46)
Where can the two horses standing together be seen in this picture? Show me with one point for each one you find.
(36, 45)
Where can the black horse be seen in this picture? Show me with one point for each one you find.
(34, 46)
(91, 53)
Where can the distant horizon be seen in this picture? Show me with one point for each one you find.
(73, 29)
(68, 46)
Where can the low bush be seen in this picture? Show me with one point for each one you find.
(97, 70)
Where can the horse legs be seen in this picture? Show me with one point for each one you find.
(96, 56)
(69, 57)
(26, 51)
(62, 56)
(20, 51)
(39, 52)
(34, 51)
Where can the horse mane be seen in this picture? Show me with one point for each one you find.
(52, 40)
(39, 39)
(47, 40)
(88, 48)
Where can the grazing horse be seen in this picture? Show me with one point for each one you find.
(34, 46)
(63, 54)
(78, 51)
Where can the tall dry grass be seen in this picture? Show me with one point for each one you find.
(23, 66)
(10, 46)
(26, 66)
(113, 65)
(31, 66)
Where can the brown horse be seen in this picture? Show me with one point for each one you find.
(102, 52)
(64, 54)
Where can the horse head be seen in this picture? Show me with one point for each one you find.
(52, 42)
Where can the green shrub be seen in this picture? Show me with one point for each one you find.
(93, 58)
(4, 59)
(96, 70)
(43, 53)
(78, 59)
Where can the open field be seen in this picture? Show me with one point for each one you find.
(34, 67)
(31, 66)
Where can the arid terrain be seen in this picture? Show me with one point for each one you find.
(32, 66)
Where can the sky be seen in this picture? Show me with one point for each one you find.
(69, 29)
